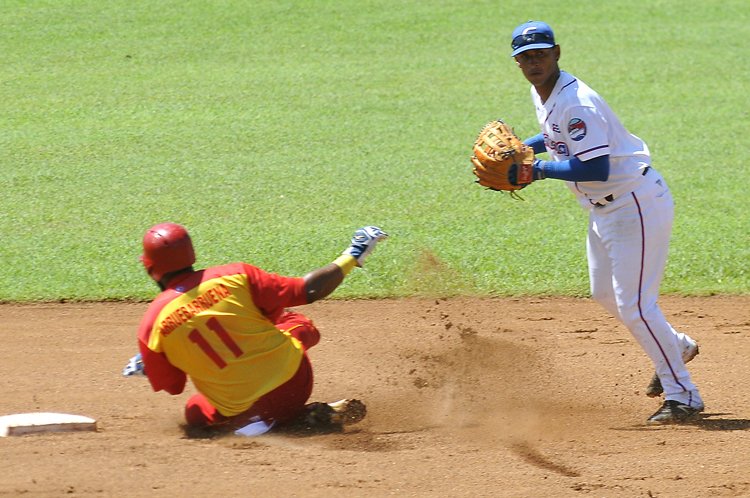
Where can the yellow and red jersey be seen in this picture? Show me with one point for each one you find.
(217, 326)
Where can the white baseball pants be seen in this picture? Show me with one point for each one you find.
(627, 246)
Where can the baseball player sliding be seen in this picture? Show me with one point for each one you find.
(630, 207)
(227, 327)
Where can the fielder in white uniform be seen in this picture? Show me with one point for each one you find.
(630, 210)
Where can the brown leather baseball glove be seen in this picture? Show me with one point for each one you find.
(501, 161)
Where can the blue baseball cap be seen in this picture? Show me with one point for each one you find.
(531, 36)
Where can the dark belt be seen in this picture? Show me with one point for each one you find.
(611, 197)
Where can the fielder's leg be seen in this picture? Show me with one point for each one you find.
(632, 235)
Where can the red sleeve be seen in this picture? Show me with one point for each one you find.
(162, 374)
(272, 293)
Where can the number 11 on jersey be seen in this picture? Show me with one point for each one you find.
(213, 324)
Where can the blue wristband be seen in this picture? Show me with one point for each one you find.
(539, 173)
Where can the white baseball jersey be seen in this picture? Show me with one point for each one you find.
(577, 122)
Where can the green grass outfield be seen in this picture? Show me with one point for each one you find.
(274, 129)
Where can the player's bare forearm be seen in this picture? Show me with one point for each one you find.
(321, 282)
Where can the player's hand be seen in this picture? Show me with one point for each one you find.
(134, 366)
(364, 242)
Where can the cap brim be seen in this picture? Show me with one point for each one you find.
(533, 46)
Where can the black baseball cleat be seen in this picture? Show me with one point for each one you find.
(654, 388)
(348, 411)
(344, 412)
(674, 412)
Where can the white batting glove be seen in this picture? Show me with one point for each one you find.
(134, 366)
(364, 241)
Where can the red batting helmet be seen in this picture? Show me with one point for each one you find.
(166, 248)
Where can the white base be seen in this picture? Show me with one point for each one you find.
(36, 423)
(255, 429)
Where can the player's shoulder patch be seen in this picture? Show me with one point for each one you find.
(577, 129)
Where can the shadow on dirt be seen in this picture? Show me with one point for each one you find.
(703, 421)
(721, 424)
(537, 459)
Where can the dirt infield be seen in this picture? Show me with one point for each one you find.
(467, 398)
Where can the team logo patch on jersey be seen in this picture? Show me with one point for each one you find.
(576, 129)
